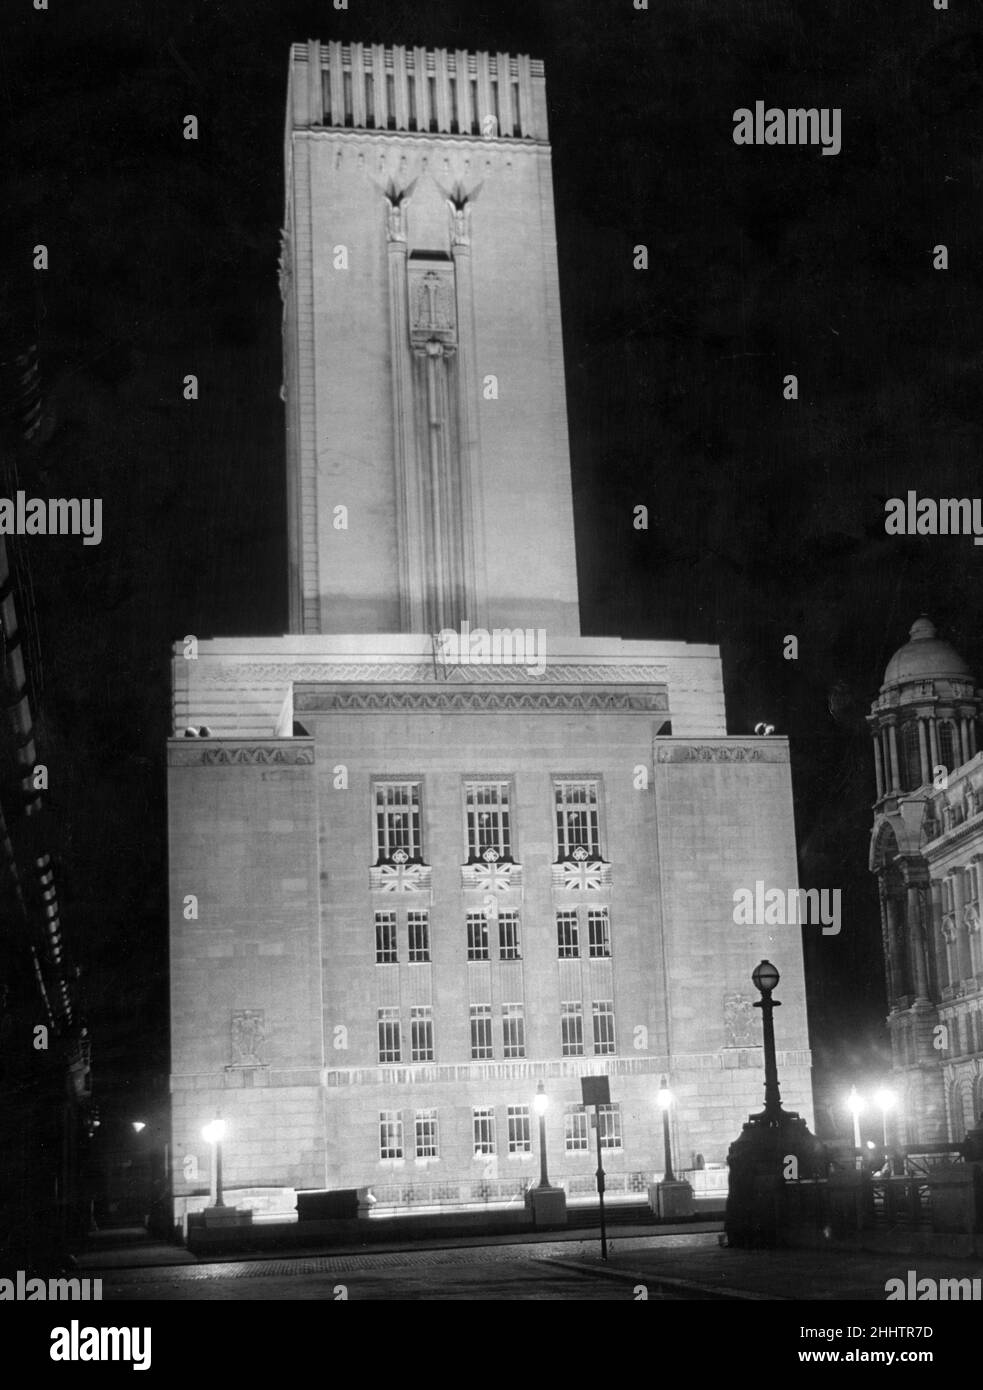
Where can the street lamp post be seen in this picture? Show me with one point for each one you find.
(856, 1105)
(759, 1209)
(764, 979)
(213, 1134)
(672, 1197)
(886, 1100)
(541, 1105)
(664, 1100)
(547, 1205)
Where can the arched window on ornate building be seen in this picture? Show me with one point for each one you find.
(911, 767)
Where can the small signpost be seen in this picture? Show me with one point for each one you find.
(596, 1091)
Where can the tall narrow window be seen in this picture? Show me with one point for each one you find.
(576, 1129)
(475, 123)
(572, 1028)
(609, 1120)
(386, 949)
(397, 821)
(418, 933)
(488, 819)
(516, 114)
(520, 1131)
(390, 1134)
(390, 101)
(481, 1033)
(508, 936)
(432, 90)
(411, 100)
(576, 819)
(346, 83)
(947, 745)
(910, 756)
(483, 1129)
(598, 933)
(455, 128)
(421, 1033)
(603, 1013)
(567, 935)
(513, 1031)
(425, 1134)
(389, 1044)
(369, 102)
(477, 936)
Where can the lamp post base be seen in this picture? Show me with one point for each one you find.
(227, 1216)
(547, 1206)
(670, 1200)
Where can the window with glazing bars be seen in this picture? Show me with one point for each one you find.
(598, 933)
(481, 1033)
(609, 1120)
(386, 946)
(397, 820)
(421, 1033)
(572, 1028)
(426, 1137)
(483, 1129)
(603, 1014)
(418, 934)
(576, 819)
(389, 1044)
(488, 819)
(520, 1130)
(513, 1031)
(390, 1134)
(567, 934)
(576, 1129)
(477, 936)
(508, 936)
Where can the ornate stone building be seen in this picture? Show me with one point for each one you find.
(434, 847)
(927, 853)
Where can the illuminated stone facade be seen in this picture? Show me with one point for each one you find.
(409, 883)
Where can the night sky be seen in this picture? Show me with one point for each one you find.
(766, 515)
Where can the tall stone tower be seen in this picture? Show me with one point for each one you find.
(434, 847)
(927, 853)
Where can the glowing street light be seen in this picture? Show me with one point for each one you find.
(213, 1133)
(138, 1126)
(540, 1104)
(856, 1104)
(886, 1100)
(664, 1101)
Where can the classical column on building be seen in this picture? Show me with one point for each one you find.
(915, 877)
(887, 943)
(892, 744)
(933, 737)
(964, 961)
(936, 937)
(878, 766)
(897, 973)
(964, 738)
(926, 766)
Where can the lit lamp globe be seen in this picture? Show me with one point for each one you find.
(664, 1097)
(765, 977)
(541, 1101)
(214, 1132)
(138, 1126)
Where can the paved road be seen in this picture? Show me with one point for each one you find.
(484, 1273)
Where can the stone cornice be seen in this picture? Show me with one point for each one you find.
(724, 750)
(391, 672)
(280, 752)
(328, 700)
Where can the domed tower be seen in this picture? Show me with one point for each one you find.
(924, 727)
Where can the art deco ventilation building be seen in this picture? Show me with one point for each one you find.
(927, 853)
(415, 872)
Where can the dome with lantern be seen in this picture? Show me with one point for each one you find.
(926, 713)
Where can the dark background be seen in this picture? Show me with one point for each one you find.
(766, 516)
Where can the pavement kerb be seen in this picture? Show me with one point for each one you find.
(665, 1281)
